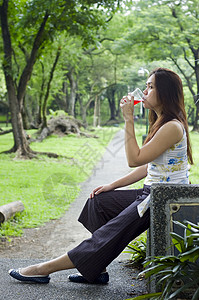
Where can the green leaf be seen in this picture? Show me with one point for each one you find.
(178, 241)
(192, 224)
(180, 224)
(196, 295)
(164, 278)
(190, 255)
(148, 296)
(153, 270)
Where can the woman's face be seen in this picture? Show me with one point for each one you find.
(150, 95)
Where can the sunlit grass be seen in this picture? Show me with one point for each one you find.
(47, 186)
(194, 174)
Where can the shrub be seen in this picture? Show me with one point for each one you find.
(177, 274)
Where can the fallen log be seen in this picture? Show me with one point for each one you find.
(8, 210)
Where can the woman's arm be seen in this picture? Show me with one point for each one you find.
(134, 176)
(168, 135)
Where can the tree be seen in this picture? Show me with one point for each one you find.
(170, 32)
(32, 26)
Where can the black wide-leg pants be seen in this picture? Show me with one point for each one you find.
(113, 220)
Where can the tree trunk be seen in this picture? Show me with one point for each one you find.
(39, 116)
(196, 98)
(111, 101)
(16, 95)
(196, 120)
(44, 121)
(72, 95)
(95, 113)
(25, 116)
(96, 117)
(99, 112)
(20, 142)
(83, 114)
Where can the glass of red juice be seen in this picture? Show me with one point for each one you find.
(138, 96)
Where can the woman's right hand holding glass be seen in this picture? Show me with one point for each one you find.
(127, 107)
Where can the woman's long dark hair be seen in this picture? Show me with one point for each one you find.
(171, 98)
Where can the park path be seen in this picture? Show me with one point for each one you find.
(59, 236)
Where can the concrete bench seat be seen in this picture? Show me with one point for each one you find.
(169, 202)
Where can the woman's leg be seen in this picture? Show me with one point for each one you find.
(107, 242)
(106, 206)
(60, 263)
(122, 200)
(96, 212)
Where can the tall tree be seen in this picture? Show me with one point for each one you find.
(167, 29)
(29, 26)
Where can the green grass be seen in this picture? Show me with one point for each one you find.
(47, 186)
(194, 174)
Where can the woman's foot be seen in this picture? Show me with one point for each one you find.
(34, 270)
(103, 278)
(42, 270)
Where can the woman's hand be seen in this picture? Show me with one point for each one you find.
(100, 189)
(127, 107)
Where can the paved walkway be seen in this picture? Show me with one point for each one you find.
(112, 166)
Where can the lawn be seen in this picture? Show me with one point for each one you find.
(194, 174)
(47, 186)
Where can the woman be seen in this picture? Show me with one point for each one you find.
(115, 217)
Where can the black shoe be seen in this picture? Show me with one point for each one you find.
(36, 279)
(102, 279)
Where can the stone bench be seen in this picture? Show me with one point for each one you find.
(169, 202)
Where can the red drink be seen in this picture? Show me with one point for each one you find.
(138, 96)
(137, 101)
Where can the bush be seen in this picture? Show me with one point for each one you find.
(177, 274)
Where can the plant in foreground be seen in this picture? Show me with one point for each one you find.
(137, 249)
(176, 274)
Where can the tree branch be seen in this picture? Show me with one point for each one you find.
(186, 58)
(2, 132)
(94, 48)
(185, 76)
(174, 14)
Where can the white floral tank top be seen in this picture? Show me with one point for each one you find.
(171, 166)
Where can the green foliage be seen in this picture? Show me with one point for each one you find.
(57, 113)
(177, 274)
(171, 33)
(80, 18)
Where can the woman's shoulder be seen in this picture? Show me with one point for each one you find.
(174, 125)
(173, 128)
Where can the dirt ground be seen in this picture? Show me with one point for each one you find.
(33, 243)
(49, 241)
